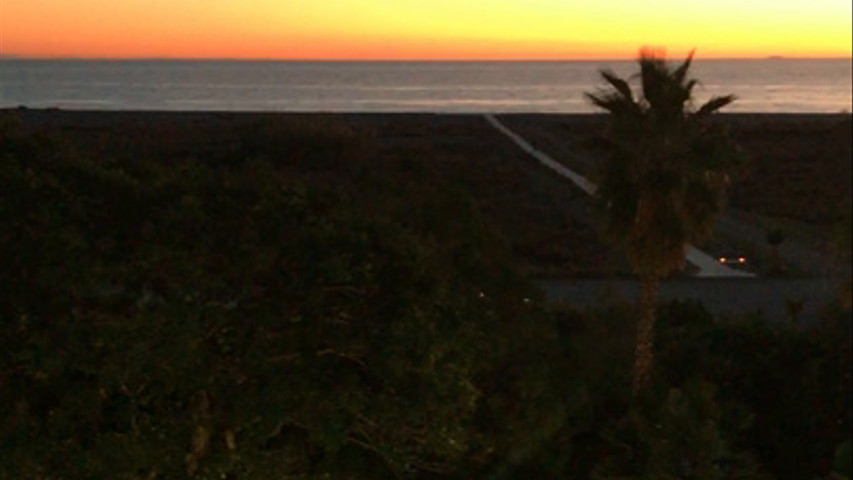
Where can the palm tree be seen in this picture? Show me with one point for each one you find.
(663, 179)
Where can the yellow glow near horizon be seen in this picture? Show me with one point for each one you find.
(424, 29)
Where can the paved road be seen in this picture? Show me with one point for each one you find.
(706, 264)
(807, 258)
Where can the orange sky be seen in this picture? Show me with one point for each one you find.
(423, 29)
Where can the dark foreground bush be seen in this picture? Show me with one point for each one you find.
(786, 392)
(738, 398)
(227, 320)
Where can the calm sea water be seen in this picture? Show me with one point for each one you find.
(761, 85)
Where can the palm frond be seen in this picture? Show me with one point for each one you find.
(620, 85)
(600, 100)
(680, 73)
(714, 104)
(689, 86)
(613, 102)
(652, 53)
(653, 75)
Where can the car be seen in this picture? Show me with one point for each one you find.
(735, 259)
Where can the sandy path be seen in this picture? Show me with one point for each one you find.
(706, 264)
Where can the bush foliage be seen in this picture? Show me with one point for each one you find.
(165, 319)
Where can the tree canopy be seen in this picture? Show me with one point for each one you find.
(666, 165)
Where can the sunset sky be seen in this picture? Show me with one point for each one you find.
(422, 29)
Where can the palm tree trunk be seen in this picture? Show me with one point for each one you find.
(644, 354)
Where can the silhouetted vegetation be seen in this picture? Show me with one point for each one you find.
(264, 310)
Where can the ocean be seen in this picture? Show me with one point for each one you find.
(762, 86)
